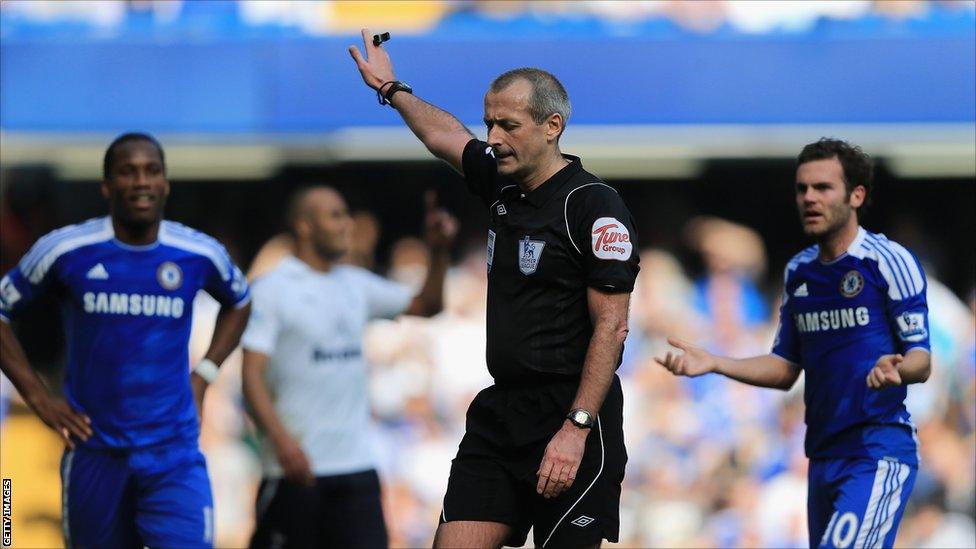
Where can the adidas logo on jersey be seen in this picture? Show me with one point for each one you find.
(97, 272)
(801, 291)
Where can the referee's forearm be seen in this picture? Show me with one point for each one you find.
(599, 367)
(439, 130)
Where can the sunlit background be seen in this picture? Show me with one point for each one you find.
(693, 110)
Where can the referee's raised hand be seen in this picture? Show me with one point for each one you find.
(376, 68)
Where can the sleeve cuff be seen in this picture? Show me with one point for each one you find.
(919, 347)
(792, 362)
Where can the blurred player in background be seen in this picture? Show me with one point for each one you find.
(854, 318)
(305, 378)
(132, 474)
(544, 445)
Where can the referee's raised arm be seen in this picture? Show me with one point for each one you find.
(443, 134)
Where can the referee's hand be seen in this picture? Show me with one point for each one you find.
(561, 462)
(376, 68)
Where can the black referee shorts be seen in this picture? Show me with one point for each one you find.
(341, 511)
(493, 478)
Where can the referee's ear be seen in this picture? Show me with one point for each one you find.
(555, 125)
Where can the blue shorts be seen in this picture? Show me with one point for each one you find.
(156, 497)
(857, 502)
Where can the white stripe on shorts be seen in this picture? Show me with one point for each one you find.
(891, 506)
(65, 490)
(883, 504)
(599, 427)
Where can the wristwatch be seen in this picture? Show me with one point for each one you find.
(395, 86)
(580, 418)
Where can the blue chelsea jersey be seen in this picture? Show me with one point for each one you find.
(836, 320)
(127, 316)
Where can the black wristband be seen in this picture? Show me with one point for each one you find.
(395, 86)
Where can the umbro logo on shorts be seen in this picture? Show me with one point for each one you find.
(582, 521)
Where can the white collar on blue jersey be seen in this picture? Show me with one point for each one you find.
(142, 248)
(854, 249)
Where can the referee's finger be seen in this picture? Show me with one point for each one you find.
(544, 473)
(555, 486)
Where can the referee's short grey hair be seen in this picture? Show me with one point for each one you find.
(548, 94)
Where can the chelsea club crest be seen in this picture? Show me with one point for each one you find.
(169, 275)
(851, 284)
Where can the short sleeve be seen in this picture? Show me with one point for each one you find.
(28, 280)
(226, 283)
(384, 298)
(261, 334)
(787, 343)
(602, 230)
(480, 170)
(905, 299)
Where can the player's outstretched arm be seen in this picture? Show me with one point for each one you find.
(440, 230)
(894, 370)
(443, 134)
(761, 371)
(55, 412)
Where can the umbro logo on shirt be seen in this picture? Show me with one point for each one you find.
(801, 291)
(97, 272)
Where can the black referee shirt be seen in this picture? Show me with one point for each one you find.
(545, 248)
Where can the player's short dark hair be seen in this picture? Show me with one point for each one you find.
(126, 138)
(548, 94)
(857, 165)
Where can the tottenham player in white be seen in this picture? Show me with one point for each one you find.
(305, 380)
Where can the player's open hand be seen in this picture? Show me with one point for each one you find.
(440, 227)
(692, 361)
(885, 372)
(561, 461)
(65, 420)
(376, 68)
(294, 462)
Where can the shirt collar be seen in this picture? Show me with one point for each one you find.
(858, 240)
(541, 194)
(852, 250)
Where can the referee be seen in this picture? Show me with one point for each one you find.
(543, 446)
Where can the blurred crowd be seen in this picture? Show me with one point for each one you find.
(712, 463)
(330, 17)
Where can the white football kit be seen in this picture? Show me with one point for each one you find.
(311, 326)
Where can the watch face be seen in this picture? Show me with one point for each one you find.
(582, 418)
